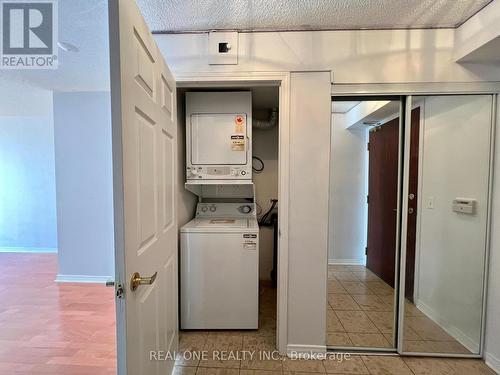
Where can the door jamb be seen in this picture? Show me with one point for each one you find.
(282, 80)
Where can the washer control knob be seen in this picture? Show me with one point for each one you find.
(194, 171)
(246, 209)
(213, 208)
(204, 208)
(243, 173)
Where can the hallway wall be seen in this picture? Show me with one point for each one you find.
(27, 175)
(84, 182)
(455, 163)
(27, 190)
(348, 190)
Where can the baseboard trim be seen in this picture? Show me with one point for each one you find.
(34, 250)
(346, 262)
(456, 333)
(82, 279)
(493, 362)
(294, 350)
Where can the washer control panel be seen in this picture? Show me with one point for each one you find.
(226, 209)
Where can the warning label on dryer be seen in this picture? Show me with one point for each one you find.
(238, 142)
(250, 245)
(239, 122)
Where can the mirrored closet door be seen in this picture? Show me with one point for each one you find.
(364, 226)
(447, 189)
(410, 195)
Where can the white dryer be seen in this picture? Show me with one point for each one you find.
(219, 136)
(219, 268)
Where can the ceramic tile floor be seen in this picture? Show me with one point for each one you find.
(360, 313)
(263, 339)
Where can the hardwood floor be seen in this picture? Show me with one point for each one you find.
(53, 328)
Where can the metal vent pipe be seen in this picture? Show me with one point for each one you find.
(269, 123)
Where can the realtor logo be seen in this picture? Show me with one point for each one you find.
(29, 34)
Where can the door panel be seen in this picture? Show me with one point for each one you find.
(446, 316)
(382, 201)
(144, 149)
(382, 192)
(167, 186)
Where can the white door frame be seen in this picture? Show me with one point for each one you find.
(253, 79)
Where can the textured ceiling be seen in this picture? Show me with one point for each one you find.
(203, 15)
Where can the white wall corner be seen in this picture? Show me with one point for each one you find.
(471, 344)
(493, 362)
(82, 279)
(477, 31)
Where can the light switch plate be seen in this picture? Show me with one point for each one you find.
(430, 203)
(223, 48)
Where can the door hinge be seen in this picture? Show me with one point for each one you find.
(367, 199)
(366, 250)
(368, 146)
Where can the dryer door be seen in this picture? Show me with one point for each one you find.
(218, 139)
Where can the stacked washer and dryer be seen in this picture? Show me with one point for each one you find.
(219, 262)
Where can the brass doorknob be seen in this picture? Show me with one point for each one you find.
(137, 280)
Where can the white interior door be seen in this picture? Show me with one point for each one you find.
(144, 149)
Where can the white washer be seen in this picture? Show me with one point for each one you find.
(219, 268)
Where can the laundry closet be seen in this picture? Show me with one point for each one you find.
(227, 176)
